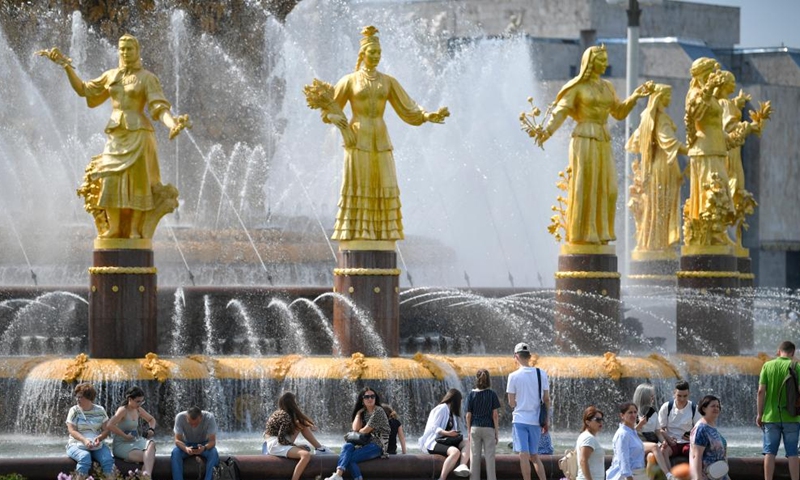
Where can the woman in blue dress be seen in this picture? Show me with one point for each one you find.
(707, 445)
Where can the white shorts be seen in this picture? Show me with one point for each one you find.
(275, 448)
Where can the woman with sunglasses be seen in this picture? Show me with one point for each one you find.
(591, 463)
(708, 448)
(368, 417)
(444, 422)
(628, 461)
(86, 424)
(128, 444)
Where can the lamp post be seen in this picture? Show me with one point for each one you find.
(631, 79)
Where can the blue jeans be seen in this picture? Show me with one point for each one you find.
(84, 458)
(211, 456)
(352, 456)
(772, 437)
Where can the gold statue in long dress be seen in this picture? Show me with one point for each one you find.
(743, 202)
(592, 190)
(655, 193)
(369, 205)
(122, 187)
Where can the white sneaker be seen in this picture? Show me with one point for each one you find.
(323, 449)
(461, 471)
(335, 476)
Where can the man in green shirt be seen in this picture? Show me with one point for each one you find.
(773, 418)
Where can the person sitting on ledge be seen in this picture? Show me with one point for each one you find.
(283, 426)
(129, 444)
(86, 423)
(676, 419)
(195, 436)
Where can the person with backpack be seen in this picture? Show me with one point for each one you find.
(777, 414)
(676, 419)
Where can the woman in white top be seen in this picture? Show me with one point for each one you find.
(444, 422)
(591, 463)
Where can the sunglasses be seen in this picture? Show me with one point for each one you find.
(371, 397)
(598, 419)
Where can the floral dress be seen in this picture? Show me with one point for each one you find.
(715, 446)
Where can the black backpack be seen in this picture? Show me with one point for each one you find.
(227, 469)
(792, 389)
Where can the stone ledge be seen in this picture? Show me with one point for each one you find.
(398, 467)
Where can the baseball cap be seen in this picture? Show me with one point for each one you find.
(521, 347)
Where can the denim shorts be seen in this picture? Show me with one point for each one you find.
(772, 437)
(526, 437)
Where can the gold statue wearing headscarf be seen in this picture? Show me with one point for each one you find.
(709, 210)
(592, 189)
(369, 205)
(122, 187)
(655, 193)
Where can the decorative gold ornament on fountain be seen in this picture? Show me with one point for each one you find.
(122, 187)
(369, 216)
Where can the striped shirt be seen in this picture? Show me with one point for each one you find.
(481, 404)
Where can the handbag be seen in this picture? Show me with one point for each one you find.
(357, 438)
(450, 441)
(227, 469)
(569, 464)
(717, 470)
(542, 408)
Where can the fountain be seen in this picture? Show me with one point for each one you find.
(255, 209)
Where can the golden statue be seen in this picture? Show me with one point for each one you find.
(655, 193)
(592, 179)
(709, 209)
(743, 202)
(369, 206)
(122, 187)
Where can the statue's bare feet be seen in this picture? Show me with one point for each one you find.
(109, 234)
(136, 235)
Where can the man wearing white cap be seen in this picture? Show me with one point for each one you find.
(528, 392)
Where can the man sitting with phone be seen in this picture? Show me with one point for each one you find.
(195, 435)
(676, 419)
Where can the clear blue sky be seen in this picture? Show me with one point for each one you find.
(766, 23)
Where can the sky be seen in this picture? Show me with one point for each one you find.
(766, 23)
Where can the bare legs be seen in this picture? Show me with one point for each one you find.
(525, 460)
(304, 457)
(146, 457)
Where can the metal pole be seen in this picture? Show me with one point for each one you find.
(631, 79)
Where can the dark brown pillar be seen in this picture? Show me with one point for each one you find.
(587, 303)
(122, 304)
(746, 296)
(707, 318)
(369, 281)
(653, 268)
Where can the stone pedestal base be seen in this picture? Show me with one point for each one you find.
(587, 303)
(122, 304)
(368, 313)
(654, 268)
(708, 284)
(746, 296)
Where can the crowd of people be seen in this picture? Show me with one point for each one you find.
(646, 441)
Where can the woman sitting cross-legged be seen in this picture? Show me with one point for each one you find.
(444, 423)
(368, 418)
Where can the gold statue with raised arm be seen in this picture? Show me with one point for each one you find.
(592, 190)
(743, 202)
(369, 206)
(655, 192)
(122, 187)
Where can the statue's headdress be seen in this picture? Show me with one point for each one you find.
(587, 62)
(368, 37)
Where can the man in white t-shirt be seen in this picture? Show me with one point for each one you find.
(523, 396)
(676, 419)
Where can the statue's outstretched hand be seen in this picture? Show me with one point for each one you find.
(55, 55)
(438, 116)
(541, 136)
(645, 89)
(181, 122)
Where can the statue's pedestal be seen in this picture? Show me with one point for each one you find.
(656, 269)
(368, 282)
(587, 299)
(746, 296)
(122, 300)
(707, 301)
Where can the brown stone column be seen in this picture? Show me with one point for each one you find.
(707, 301)
(122, 304)
(587, 300)
(653, 268)
(369, 281)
